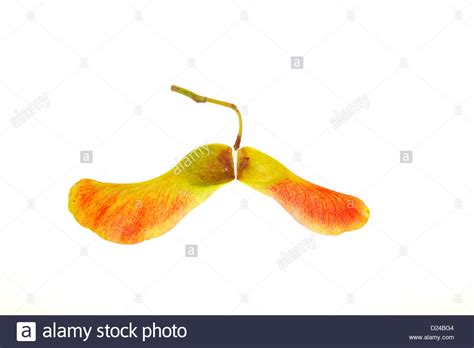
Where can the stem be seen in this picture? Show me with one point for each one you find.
(200, 99)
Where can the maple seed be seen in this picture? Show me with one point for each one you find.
(318, 208)
(132, 213)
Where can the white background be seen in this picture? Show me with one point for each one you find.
(106, 68)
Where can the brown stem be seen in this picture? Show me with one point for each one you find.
(200, 99)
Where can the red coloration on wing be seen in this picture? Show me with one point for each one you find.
(319, 208)
(126, 213)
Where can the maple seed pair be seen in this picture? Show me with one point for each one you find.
(132, 213)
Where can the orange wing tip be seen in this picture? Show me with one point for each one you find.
(123, 213)
(359, 220)
(319, 209)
